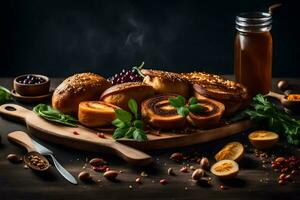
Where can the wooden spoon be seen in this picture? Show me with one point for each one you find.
(25, 141)
(293, 106)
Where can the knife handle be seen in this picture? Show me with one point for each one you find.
(22, 139)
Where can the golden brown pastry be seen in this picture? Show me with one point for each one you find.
(210, 116)
(120, 94)
(78, 88)
(233, 95)
(166, 82)
(96, 113)
(158, 112)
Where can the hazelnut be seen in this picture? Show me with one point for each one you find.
(111, 174)
(84, 176)
(204, 163)
(283, 85)
(96, 162)
(197, 174)
(14, 158)
(176, 157)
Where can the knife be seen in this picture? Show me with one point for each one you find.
(45, 151)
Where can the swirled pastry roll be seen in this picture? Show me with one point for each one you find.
(158, 112)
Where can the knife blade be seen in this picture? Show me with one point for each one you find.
(45, 151)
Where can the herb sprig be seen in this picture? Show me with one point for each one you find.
(5, 95)
(129, 126)
(267, 115)
(51, 114)
(183, 109)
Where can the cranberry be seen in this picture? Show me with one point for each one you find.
(281, 182)
(294, 172)
(163, 181)
(288, 178)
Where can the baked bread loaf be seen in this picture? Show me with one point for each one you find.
(210, 116)
(166, 82)
(96, 113)
(233, 95)
(120, 94)
(78, 88)
(158, 112)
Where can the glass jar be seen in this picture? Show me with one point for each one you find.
(253, 52)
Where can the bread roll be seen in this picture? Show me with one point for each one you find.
(78, 88)
(233, 95)
(166, 82)
(96, 113)
(120, 94)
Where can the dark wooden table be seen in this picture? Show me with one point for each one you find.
(253, 182)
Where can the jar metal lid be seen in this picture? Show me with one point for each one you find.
(254, 21)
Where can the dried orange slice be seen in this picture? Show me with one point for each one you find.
(225, 169)
(263, 139)
(231, 151)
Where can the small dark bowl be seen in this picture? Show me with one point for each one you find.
(32, 89)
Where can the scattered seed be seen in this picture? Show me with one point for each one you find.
(184, 170)
(110, 174)
(222, 187)
(197, 174)
(14, 158)
(96, 162)
(281, 182)
(144, 174)
(204, 163)
(177, 157)
(163, 181)
(138, 180)
(84, 176)
(171, 172)
(101, 135)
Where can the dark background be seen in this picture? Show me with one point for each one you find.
(62, 37)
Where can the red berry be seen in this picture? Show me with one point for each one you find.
(163, 181)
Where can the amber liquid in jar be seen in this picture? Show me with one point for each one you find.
(253, 57)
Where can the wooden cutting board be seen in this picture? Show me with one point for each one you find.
(87, 139)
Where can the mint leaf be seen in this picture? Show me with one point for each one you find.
(139, 135)
(181, 100)
(118, 123)
(138, 124)
(183, 111)
(126, 126)
(119, 133)
(193, 100)
(123, 115)
(5, 95)
(173, 102)
(133, 107)
(129, 133)
(177, 102)
(196, 108)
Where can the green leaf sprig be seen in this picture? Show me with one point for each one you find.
(51, 114)
(5, 95)
(267, 113)
(184, 109)
(268, 116)
(129, 126)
